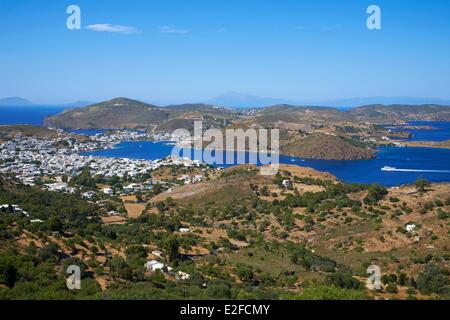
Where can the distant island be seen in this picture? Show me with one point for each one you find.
(22, 102)
(242, 100)
(15, 102)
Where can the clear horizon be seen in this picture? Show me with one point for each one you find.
(378, 100)
(173, 51)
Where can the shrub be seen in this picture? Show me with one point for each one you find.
(376, 193)
(218, 290)
(422, 184)
(321, 292)
(442, 215)
(439, 203)
(391, 288)
(433, 280)
(343, 279)
(244, 272)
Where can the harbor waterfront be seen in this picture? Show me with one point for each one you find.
(30, 158)
(410, 163)
(428, 162)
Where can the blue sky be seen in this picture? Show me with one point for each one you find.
(191, 50)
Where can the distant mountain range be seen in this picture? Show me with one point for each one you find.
(21, 102)
(127, 113)
(240, 100)
(356, 102)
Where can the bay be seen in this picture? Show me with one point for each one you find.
(360, 171)
(363, 171)
(440, 131)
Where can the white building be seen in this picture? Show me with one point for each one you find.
(133, 187)
(287, 183)
(182, 275)
(154, 265)
(13, 209)
(108, 191)
(198, 178)
(89, 194)
(185, 178)
(60, 187)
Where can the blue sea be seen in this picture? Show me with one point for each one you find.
(88, 132)
(34, 115)
(361, 171)
(364, 171)
(441, 131)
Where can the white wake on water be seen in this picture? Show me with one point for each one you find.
(392, 169)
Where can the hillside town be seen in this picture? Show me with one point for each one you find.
(31, 158)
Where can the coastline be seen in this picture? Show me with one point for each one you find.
(283, 154)
(429, 144)
(348, 170)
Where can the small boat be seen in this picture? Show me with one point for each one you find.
(414, 170)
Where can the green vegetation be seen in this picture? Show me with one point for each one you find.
(322, 292)
(375, 194)
(434, 280)
(422, 184)
(250, 249)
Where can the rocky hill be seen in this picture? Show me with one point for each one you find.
(126, 113)
(326, 147)
(394, 113)
(308, 132)
(123, 113)
(296, 114)
(116, 113)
